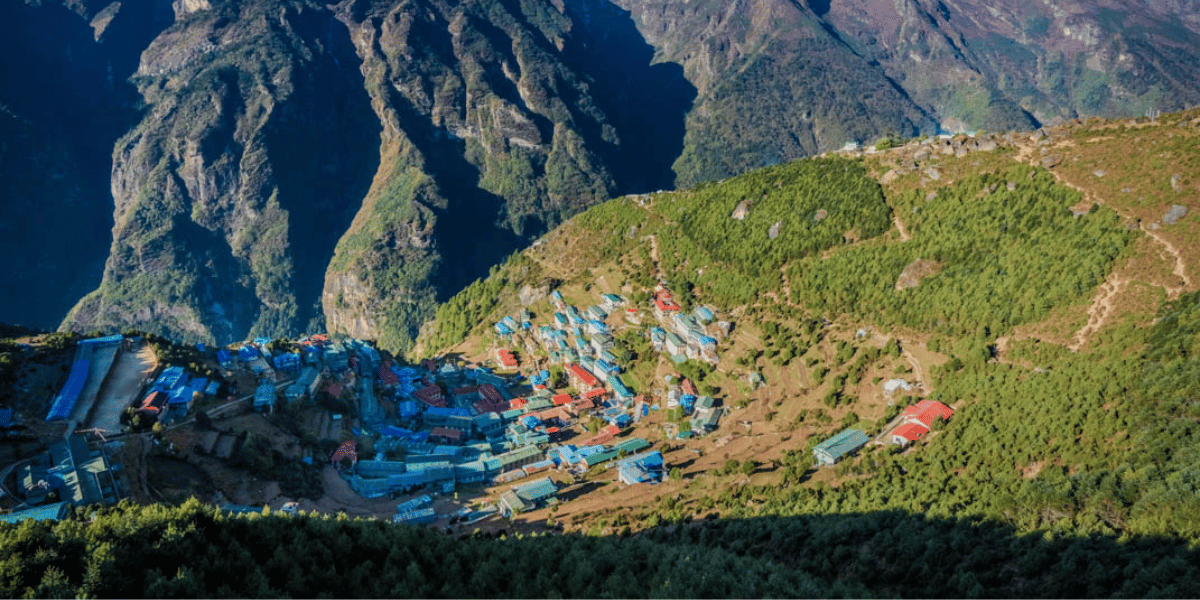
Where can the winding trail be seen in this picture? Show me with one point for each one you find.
(1102, 306)
(1179, 270)
(1099, 311)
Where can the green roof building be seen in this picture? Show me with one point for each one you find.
(833, 449)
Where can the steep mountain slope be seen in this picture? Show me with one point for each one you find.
(276, 166)
(779, 80)
(64, 100)
(267, 125)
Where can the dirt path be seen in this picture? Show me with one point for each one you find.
(658, 274)
(904, 237)
(1098, 312)
(124, 381)
(1179, 269)
(1102, 305)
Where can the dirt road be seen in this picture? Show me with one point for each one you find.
(124, 381)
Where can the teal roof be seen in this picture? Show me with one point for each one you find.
(537, 490)
(38, 513)
(631, 445)
(843, 443)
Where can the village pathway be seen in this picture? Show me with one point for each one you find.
(124, 381)
(1179, 269)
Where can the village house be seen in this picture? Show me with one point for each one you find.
(528, 497)
(833, 449)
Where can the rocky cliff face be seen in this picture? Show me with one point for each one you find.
(298, 164)
(778, 80)
(267, 167)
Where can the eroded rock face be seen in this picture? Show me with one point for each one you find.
(302, 166)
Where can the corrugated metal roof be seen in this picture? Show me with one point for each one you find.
(537, 490)
(843, 443)
(38, 513)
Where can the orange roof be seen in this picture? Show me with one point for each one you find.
(584, 377)
(688, 388)
(926, 411)
(596, 393)
(518, 402)
(911, 431)
(561, 399)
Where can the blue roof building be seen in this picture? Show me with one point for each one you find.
(247, 353)
(49, 512)
(6, 418)
(647, 467)
(64, 402)
(264, 397)
(619, 389)
(287, 362)
(225, 358)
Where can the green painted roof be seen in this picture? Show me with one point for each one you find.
(843, 443)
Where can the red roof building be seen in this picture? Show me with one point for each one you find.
(581, 379)
(908, 433)
(154, 402)
(562, 399)
(688, 388)
(387, 376)
(517, 403)
(926, 411)
(665, 303)
(334, 390)
(585, 404)
(506, 358)
(596, 394)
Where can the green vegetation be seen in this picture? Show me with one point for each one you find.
(465, 311)
(1006, 258)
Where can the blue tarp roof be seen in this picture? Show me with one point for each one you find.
(448, 412)
(213, 388)
(224, 356)
(38, 513)
(112, 339)
(65, 401)
(6, 417)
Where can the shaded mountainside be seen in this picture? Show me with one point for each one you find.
(248, 167)
(298, 164)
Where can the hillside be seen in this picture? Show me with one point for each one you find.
(1043, 286)
(231, 168)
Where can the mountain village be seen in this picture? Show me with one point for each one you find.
(516, 429)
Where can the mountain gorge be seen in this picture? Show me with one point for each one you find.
(265, 167)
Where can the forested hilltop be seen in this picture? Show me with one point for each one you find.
(1043, 286)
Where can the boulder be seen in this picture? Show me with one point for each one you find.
(1176, 212)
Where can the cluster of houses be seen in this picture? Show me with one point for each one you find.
(705, 414)
(685, 336)
(916, 421)
(173, 393)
